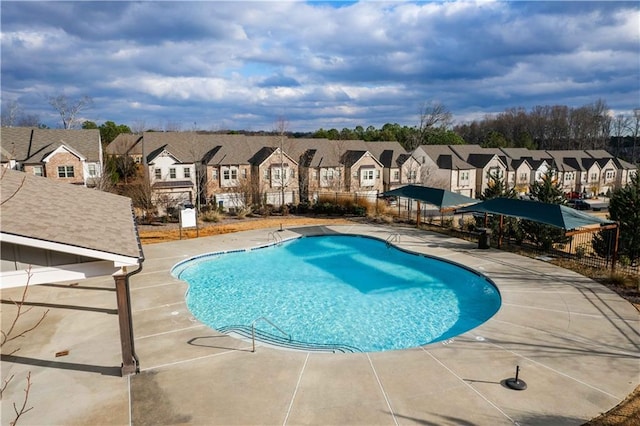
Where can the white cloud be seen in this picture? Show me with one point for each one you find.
(367, 62)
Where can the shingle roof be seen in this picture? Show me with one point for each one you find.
(125, 144)
(43, 209)
(31, 145)
(389, 153)
(442, 154)
(351, 157)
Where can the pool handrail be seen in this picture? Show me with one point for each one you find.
(277, 239)
(391, 238)
(253, 331)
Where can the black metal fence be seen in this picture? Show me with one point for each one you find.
(591, 249)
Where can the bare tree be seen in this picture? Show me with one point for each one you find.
(138, 127)
(432, 116)
(70, 109)
(635, 131)
(141, 197)
(10, 113)
(284, 180)
(12, 333)
(619, 126)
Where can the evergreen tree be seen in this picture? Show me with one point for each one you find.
(624, 208)
(497, 188)
(548, 190)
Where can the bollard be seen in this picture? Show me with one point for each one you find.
(516, 383)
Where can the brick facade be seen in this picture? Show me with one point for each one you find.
(65, 159)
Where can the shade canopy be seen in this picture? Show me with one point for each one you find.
(551, 214)
(436, 196)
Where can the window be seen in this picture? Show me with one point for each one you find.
(367, 177)
(413, 174)
(244, 173)
(495, 171)
(276, 174)
(158, 173)
(378, 174)
(594, 177)
(92, 170)
(265, 175)
(172, 173)
(65, 172)
(234, 174)
(568, 176)
(396, 175)
(187, 172)
(330, 174)
(214, 174)
(315, 174)
(609, 174)
(464, 177)
(226, 174)
(38, 171)
(524, 176)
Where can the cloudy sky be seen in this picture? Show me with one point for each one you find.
(217, 65)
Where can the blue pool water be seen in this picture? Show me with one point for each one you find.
(342, 290)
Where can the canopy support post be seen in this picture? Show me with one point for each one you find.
(418, 215)
(615, 248)
(500, 231)
(130, 363)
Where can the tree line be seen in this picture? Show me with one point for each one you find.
(548, 127)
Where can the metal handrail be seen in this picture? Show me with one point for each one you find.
(392, 237)
(253, 331)
(276, 237)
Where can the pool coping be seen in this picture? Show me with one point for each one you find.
(262, 337)
(576, 342)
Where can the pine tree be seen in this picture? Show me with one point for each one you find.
(624, 208)
(548, 190)
(497, 188)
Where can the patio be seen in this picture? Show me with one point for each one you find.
(576, 342)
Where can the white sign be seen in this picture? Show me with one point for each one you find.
(188, 218)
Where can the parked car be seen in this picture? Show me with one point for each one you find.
(573, 195)
(579, 204)
(389, 200)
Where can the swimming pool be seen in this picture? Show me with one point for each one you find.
(349, 291)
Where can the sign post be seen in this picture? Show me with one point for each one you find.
(188, 219)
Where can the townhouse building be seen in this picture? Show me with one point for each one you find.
(399, 167)
(238, 170)
(72, 156)
(486, 162)
(441, 168)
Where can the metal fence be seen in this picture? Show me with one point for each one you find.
(590, 249)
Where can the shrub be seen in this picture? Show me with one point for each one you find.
(211, 216)
(243, 212)
(581, 251)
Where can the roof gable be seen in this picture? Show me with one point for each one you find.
(60, 150)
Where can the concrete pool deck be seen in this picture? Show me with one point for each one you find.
(577, 344)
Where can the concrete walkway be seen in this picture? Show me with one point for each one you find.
(576, 342)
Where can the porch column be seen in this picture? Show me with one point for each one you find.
(129, 358)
